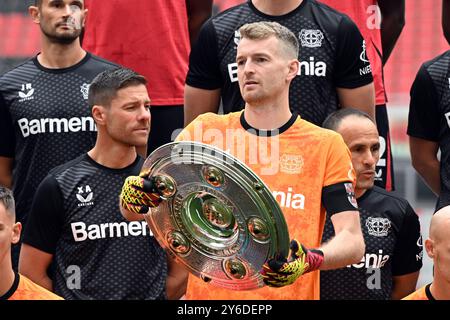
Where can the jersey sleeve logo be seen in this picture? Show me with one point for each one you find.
(363, 55)
(311, 38)
(378, 227)
(351, 194)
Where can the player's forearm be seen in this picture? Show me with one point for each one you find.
(391, 28)
(362, 98)
(429, 170)
(392, 23)
(446, 19)
(344, 249)
(176, 282)
(198, 101)
(198, 12)
(6, 172)
(404, 285)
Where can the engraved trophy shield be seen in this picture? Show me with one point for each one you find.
(219, 219)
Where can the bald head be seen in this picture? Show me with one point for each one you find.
(440, 225)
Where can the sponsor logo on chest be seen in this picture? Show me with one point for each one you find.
(290, 199)
(372, 260)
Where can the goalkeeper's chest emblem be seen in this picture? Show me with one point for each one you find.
(378, 227)
(85, 196)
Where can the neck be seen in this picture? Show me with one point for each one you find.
(359, 192)
(267, 117)
(276, 8)
(440, 288)
(112, 154)
(58, 56)
(7, 278)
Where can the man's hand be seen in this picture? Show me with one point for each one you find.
(280, 272)
(139, 194)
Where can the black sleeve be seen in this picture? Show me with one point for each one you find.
(204, 66)
(44, 225)
(423, 118)
(7, 139)
(351, 60)
(409, 248)
(339, 197)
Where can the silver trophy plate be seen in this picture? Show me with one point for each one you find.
(219, 219)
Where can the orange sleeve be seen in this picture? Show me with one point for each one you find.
(339, 166)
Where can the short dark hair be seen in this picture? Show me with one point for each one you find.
(104, 87)
(37, 3)
(7, 199)
(333, 121)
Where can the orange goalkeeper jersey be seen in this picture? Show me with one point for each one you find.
(421, 294)
(295, 164)
(25, 289)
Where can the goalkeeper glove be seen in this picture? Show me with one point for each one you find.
(280, 272)
(139, 194)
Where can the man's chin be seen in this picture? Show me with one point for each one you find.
(365, 185)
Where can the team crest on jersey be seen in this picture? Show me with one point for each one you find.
(291, 163)
(351, 194)
(84, 88)
(26, 93)
(85, 196)
(311, 38)
(378, 227)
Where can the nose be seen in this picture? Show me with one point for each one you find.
(144, 114)
(369, 158)
(67, 10)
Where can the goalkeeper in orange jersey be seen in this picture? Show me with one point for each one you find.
(14, 286)
(308, 169)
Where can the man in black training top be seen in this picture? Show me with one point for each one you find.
(44, 116)
(75, 220)
(429, 126)
(334, 70)
(391, 229)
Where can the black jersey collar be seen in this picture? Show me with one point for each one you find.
(267, 133)
(128, 168)
(276, 18)
(61, 70)
(13, 288)
(365, 195)
(428, 292)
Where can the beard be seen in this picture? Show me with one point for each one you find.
(65, 39)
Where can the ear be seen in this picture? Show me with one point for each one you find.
(83, 23)
(35, 14)
(429, 247)
(16, 229)
(99, 114)
(294, 66)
